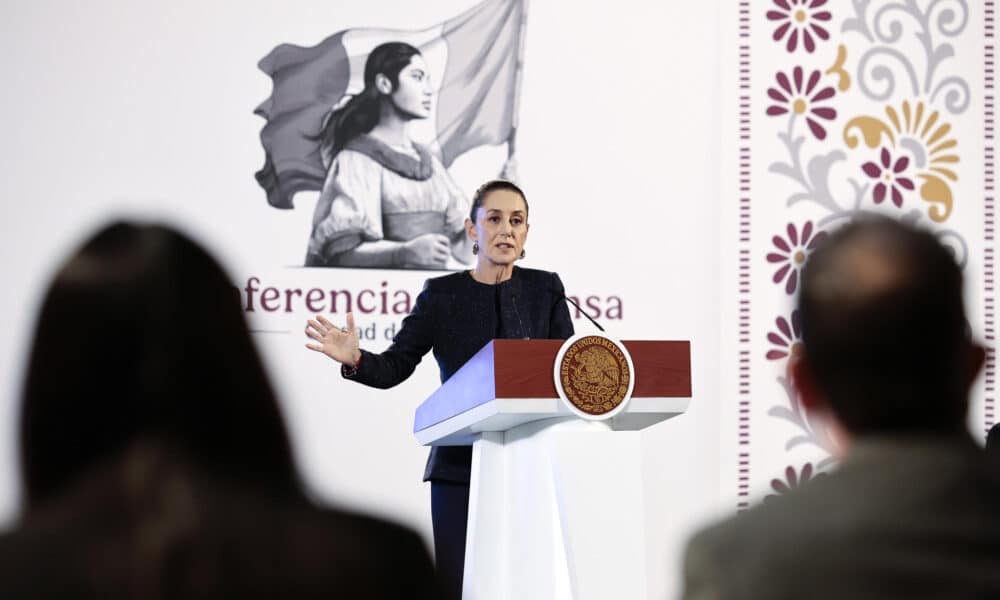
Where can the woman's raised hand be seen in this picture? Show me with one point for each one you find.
(339, 344)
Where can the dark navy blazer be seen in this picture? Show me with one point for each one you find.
(455, 316)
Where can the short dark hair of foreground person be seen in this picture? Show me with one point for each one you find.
(884, 328)
(155, 459)
(912, 510)
(993, 438)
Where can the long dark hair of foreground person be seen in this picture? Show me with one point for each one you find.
(140, 337)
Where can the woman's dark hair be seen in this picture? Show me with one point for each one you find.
(490, 186)
(140, 336)
(361, 113)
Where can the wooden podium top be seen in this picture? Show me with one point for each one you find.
(511, 382)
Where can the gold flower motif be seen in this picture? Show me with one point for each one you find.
(926, 139)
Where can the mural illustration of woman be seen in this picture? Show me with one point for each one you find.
(387, 201)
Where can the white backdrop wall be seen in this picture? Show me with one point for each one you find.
(648, 144)
(145, 110)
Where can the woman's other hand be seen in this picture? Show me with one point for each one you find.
(428, 250)
(339, 344)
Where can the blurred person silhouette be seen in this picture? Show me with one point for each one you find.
(155, 459)
(912, 510)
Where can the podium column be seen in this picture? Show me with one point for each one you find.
(556, 511)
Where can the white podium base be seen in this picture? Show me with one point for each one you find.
(556, 512)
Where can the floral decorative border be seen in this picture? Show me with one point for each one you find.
(900, 155)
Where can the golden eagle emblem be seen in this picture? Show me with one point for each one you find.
(594, 374)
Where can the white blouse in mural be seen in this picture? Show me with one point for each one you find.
(386, 192)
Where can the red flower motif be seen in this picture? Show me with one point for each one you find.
(797, 96)
(787, 342)
(792, 480)
(888, 178)
(796, 17)
(792, 254)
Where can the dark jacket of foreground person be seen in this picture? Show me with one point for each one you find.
(152, 526)
(901, 518)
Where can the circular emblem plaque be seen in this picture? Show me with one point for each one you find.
(593, 376)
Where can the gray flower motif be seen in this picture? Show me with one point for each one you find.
(793, 480)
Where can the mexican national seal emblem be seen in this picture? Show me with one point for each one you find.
(594, 376)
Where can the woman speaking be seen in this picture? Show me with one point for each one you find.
(456, 315)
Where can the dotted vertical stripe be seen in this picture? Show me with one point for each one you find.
(989, 221)
(743, 388)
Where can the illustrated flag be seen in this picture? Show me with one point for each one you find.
(474, 63)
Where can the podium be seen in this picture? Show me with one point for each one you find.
(556, 505)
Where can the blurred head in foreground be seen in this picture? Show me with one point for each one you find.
(886, 344)
(140, 337)
(993, 439)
